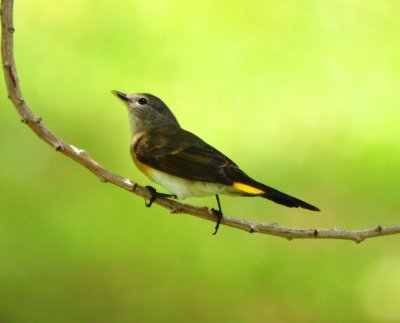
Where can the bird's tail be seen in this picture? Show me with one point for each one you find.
(257, 189)
(284, 199)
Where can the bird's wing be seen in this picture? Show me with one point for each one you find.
(184, 155)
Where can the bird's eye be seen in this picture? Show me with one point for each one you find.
(142, 101)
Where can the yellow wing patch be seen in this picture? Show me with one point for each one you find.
(247, 188)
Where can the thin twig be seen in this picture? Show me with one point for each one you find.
(81, 157)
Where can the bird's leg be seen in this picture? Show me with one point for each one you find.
(155, 195)
(218, 213)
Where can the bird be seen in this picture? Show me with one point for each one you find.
(184, 164)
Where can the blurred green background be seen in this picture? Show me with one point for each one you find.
(303, 95)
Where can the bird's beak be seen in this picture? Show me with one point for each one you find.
(120, 95)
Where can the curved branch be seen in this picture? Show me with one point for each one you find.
(81, 157)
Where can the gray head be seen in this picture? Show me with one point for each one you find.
(146, 111)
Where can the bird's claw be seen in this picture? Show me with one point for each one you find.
(155, 195)
(219, 216)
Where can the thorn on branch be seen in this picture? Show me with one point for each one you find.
(379, 228)
(316, 233)
(26, 120)
(359, 239)
(35, 119)
(11, 29)
(175, 210)
(252, 230)
(103, 179)
(58, 146)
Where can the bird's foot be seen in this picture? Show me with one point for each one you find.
(155, 195)
(219, 216)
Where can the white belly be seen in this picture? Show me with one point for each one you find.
(184, 188)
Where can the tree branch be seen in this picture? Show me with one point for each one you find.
(80, 156)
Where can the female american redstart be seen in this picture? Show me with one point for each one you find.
(183, 163)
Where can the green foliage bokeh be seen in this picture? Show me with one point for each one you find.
(302, 95)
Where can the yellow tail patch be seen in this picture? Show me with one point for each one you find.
(247, 188)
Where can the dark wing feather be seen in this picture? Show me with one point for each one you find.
(184, 155)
